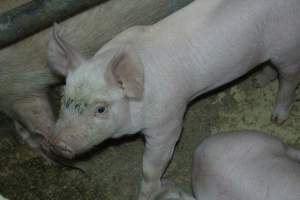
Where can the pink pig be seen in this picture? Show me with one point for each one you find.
(143, 79)
(244, 165)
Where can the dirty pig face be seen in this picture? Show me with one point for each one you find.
(88, 116)
(96, 96)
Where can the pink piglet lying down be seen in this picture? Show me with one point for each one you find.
(245, 165)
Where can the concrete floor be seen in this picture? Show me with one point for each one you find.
(114, 168)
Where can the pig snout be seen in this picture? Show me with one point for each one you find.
(62, 143)
(66, 140)
(61, 148)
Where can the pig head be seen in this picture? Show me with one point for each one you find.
(96, 97)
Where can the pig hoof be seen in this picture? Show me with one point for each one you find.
(165, 183)
(278, 119)
(280, 115)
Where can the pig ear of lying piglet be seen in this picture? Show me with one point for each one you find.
(62, 56)
(127, 70)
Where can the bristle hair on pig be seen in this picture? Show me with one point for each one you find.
(247, 165)
(143, 79)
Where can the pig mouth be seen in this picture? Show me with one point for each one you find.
(63, 150)
(58, 159)
(58, 149)
(41, 145)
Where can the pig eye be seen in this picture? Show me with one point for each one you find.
(101, 110)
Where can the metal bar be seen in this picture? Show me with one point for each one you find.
(36, 15)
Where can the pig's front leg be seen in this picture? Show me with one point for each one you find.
(160, 143)
(289, 78)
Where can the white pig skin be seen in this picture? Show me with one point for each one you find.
(25, 77)
(143, 79)
(247, 165)
(2, 198)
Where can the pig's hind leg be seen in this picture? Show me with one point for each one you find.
(265, 75)
(289, 78)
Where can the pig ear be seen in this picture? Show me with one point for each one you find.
(62, 56)
(127, 71)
